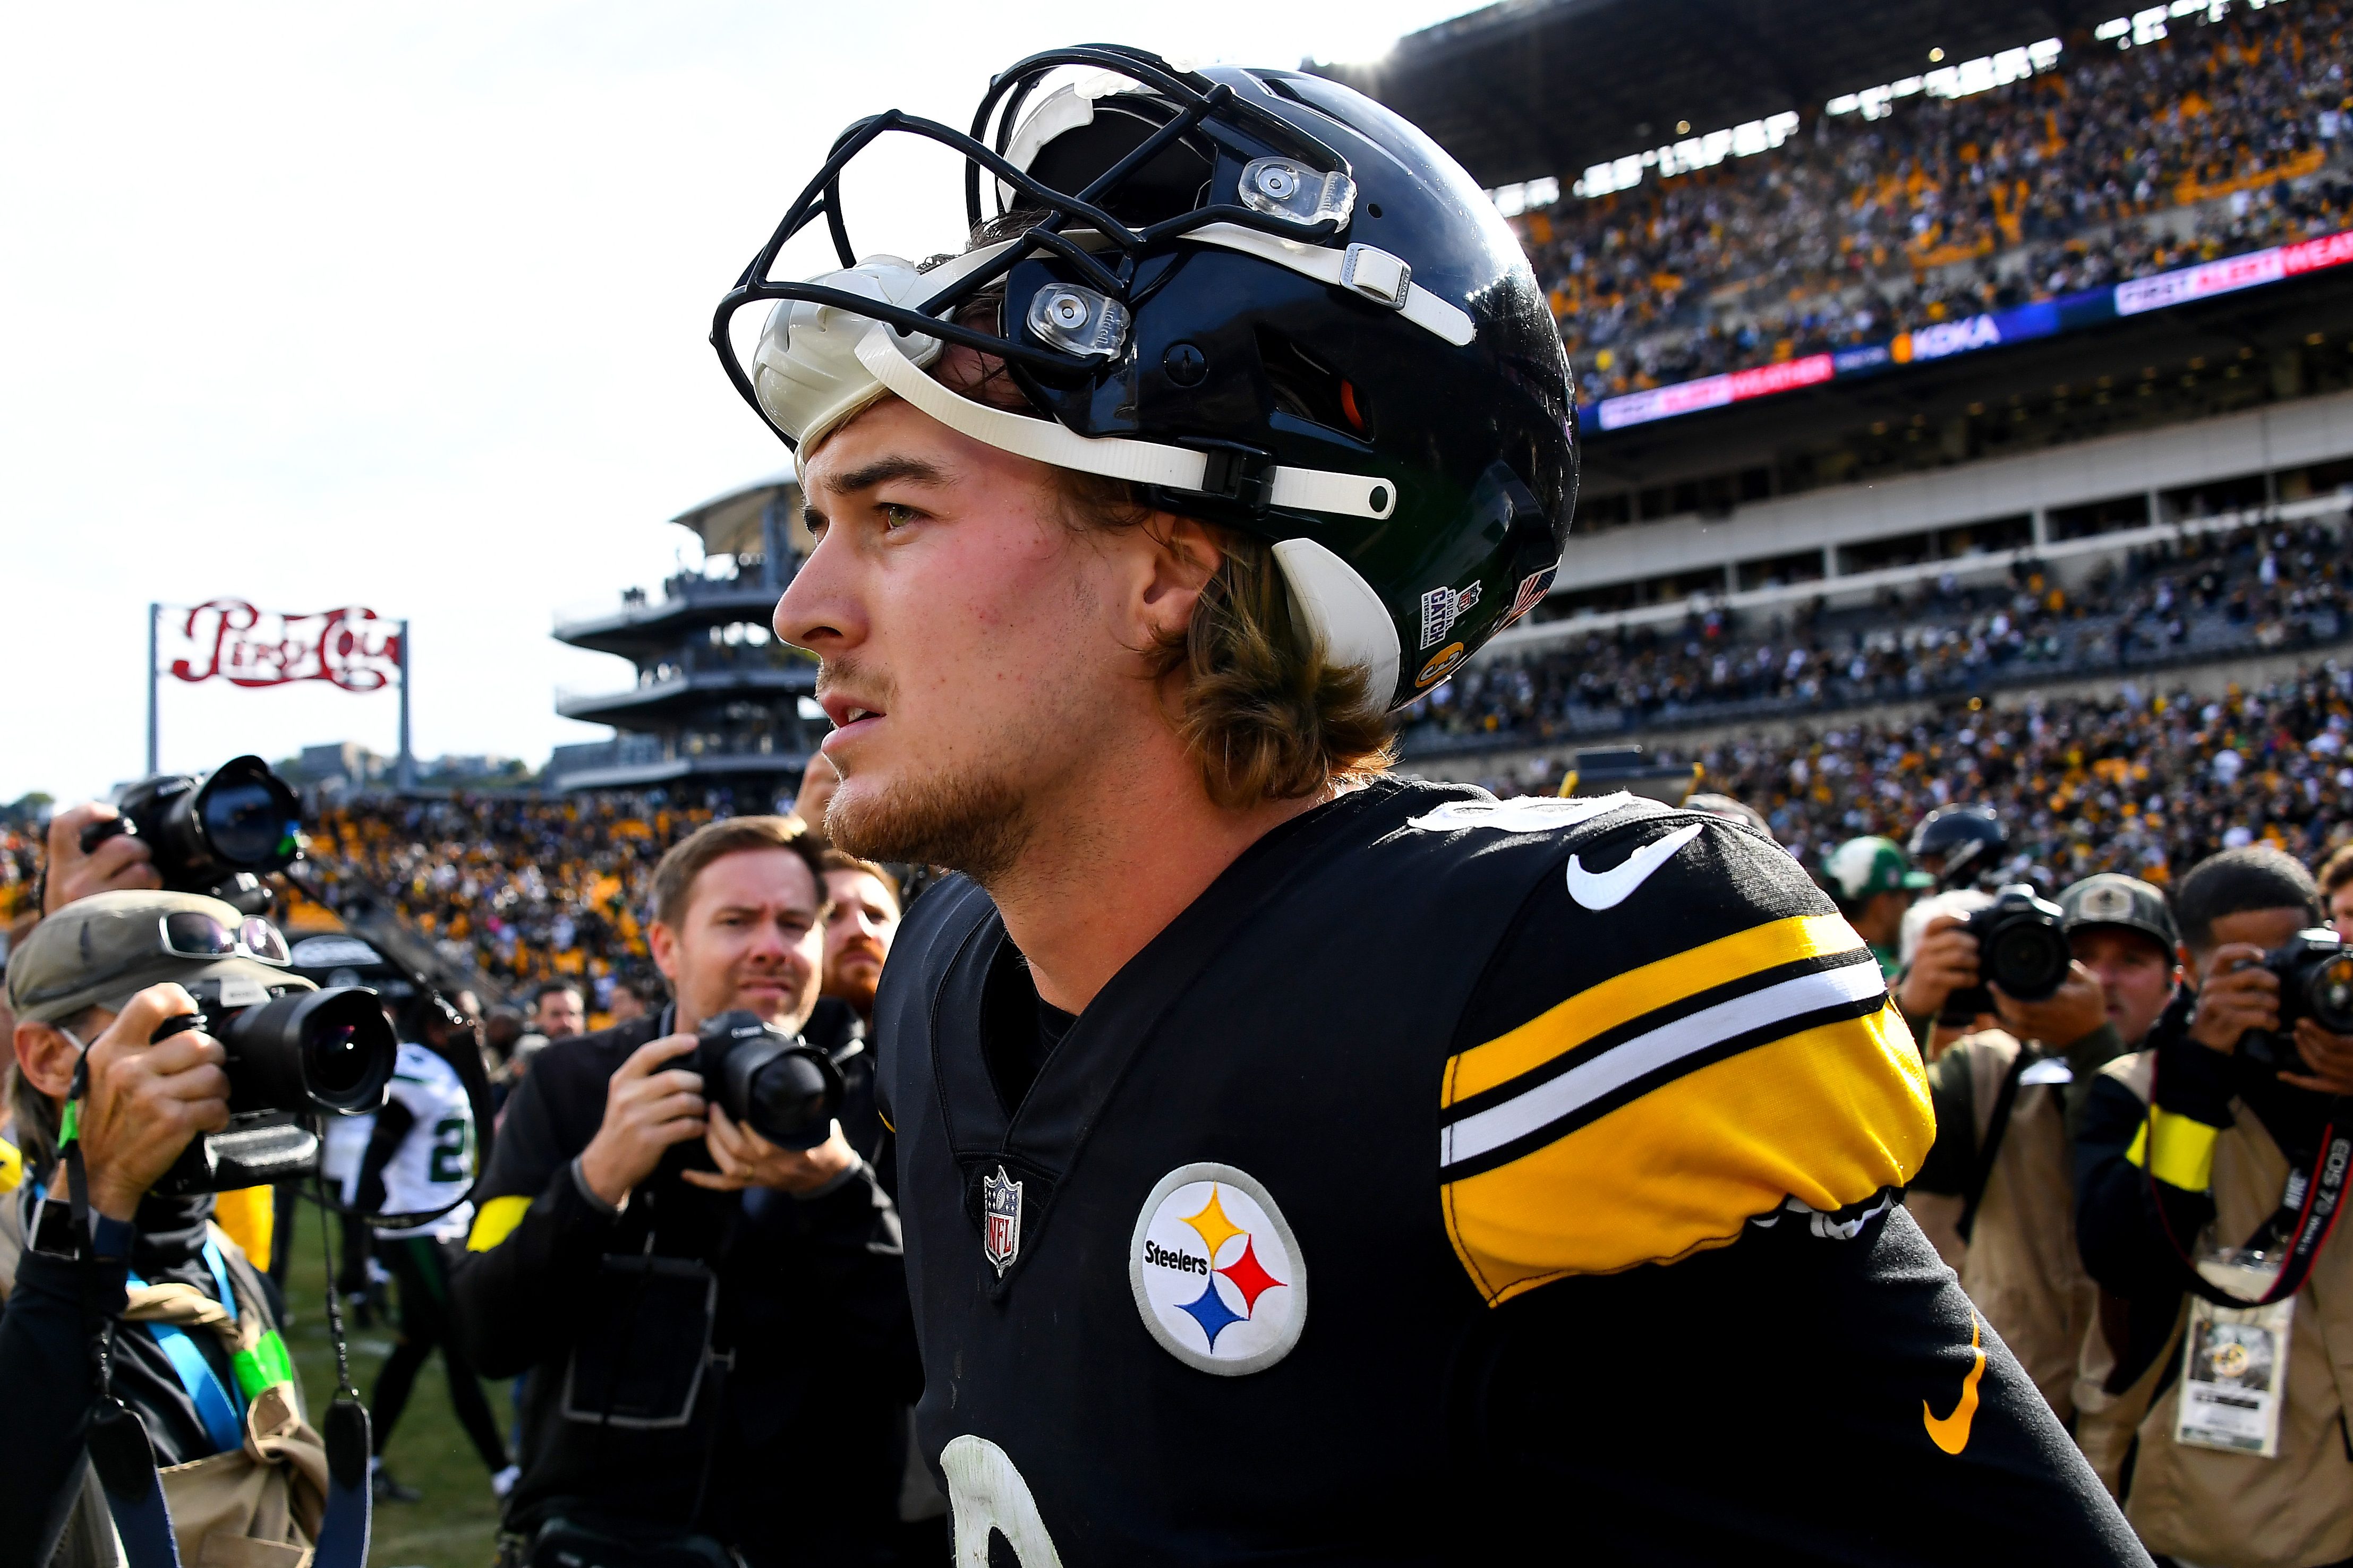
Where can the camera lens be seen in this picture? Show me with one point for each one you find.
(249, 817)
(2328, 994)
(2028, 959)
(334, 1063)
(789, 1102)
(312, 1050)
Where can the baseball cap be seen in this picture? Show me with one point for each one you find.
(1862, 868)
(2113, 898)
(101, 951)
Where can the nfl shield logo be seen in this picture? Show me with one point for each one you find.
(1001, 1201)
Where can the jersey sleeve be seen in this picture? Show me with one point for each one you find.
(1676, 1035)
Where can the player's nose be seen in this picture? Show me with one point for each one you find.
(819, 609)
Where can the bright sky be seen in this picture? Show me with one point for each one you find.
(405, 305)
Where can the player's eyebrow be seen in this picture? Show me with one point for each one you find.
(880, 471)
(883, 470)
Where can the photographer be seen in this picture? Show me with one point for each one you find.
(2002, 1095)
(196, 1348)
(2185, 1153)
(121, 863)
(716, 1328)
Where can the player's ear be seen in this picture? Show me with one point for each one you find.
(1179, 555)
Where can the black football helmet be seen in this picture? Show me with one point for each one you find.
(1965, 841)
(1262, 297)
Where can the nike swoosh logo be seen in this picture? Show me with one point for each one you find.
(1951, 1433)
(1608, 889)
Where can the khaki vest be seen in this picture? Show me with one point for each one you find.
(2107, 1422)
(2235, 1511)
(2021, 1268)
(256, 1506)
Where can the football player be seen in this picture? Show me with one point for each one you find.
(1298, 1162)
(416, 1173)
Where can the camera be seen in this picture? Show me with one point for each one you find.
(2022, 947)
(291, 1059)
(218, 834)
(2315, 981)
(778, 1085)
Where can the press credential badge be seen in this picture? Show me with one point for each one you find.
(2234, 1365)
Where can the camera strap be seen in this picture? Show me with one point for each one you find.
(1989, 1146)
(344, 1528)
(2310, 1204)
(116, 1444)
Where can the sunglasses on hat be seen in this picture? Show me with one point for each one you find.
(193, 933)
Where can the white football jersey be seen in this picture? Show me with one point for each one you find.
(435, 1164)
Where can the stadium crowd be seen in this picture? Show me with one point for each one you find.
(2113, 800)
(2256, 589)
(2146, 782)
(527, 890)
(1856, 229)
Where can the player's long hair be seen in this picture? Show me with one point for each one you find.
(1261, 712)
(1263, 715)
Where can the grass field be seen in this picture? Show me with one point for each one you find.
(456, 1524)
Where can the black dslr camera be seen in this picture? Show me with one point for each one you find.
(2315, 981)
(219, 834)
(778, 1085)
(2022, 947)
(292, 1057)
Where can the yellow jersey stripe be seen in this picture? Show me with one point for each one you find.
(497, 1221)
(1591, 1086)
(1831, 1116)
(2184, 1156)
(1623, 998)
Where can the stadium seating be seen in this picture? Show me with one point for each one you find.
(17, 873)
(2227, 137)
(2253, 590)
(2144, 782)
(528, 888)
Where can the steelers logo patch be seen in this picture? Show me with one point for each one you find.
(1218, 1276)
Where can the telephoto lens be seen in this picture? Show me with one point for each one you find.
(2315, 981)
(2023, 949)
(215, 835)
(327, 1051)
(2325, 982)
(292, 1057)
(2022, 944)
(773, 1082)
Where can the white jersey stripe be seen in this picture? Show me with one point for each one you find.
(1613, 1069)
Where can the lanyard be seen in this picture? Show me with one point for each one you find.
(219, 1412)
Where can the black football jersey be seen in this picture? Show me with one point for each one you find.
(1454, 1178)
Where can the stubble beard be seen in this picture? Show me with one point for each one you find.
(976, 825)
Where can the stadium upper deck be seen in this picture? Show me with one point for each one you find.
(1972, 303)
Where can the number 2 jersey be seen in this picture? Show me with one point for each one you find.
(1453, 1178)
